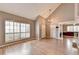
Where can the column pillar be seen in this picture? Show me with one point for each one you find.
(2, 31)
(47, 29)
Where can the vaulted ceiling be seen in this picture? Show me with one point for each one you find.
(29, 10)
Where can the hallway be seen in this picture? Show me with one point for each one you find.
(41, 47)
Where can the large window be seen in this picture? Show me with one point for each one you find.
(16, 31)
(22, 30)
(25, 30)
(76, 28)
(9, 31)
(73, 28)
(70, 28)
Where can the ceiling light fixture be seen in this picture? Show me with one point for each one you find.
(49, 20)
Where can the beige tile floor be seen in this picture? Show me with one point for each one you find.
(41, 47)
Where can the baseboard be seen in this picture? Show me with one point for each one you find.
(16, 42)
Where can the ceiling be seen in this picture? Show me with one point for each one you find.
(29, 10)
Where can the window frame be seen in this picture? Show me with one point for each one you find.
(15, 32)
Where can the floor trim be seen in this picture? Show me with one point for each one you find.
(16, 42)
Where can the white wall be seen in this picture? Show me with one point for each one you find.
(65, 12)
(40, 27)
(2, 31)
(37, 27)
(55, 32)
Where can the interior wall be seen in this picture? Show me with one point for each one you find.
(77, 12)
(64, 28)
(53, 31)
(65, 12)
(40, 27)
(37, 28)
(2, 31)
(43, 27)
(78, 9)
(6, 16)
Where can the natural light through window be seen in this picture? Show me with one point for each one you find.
(73, 28)
(16, 31)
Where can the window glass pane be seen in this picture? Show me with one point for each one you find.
(17, 36)
(11, 27)
(8, 31)
(27, 35)
(70, 28)
(16, 27)
(22, 27)
(28, 28)
(7, 23)
(78, 28)
(75, 28)
(8, 37)
(15, 31)
(7, 27)
(11, 23)
(11, 31)
(23, 35)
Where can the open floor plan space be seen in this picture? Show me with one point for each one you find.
(39, 28)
